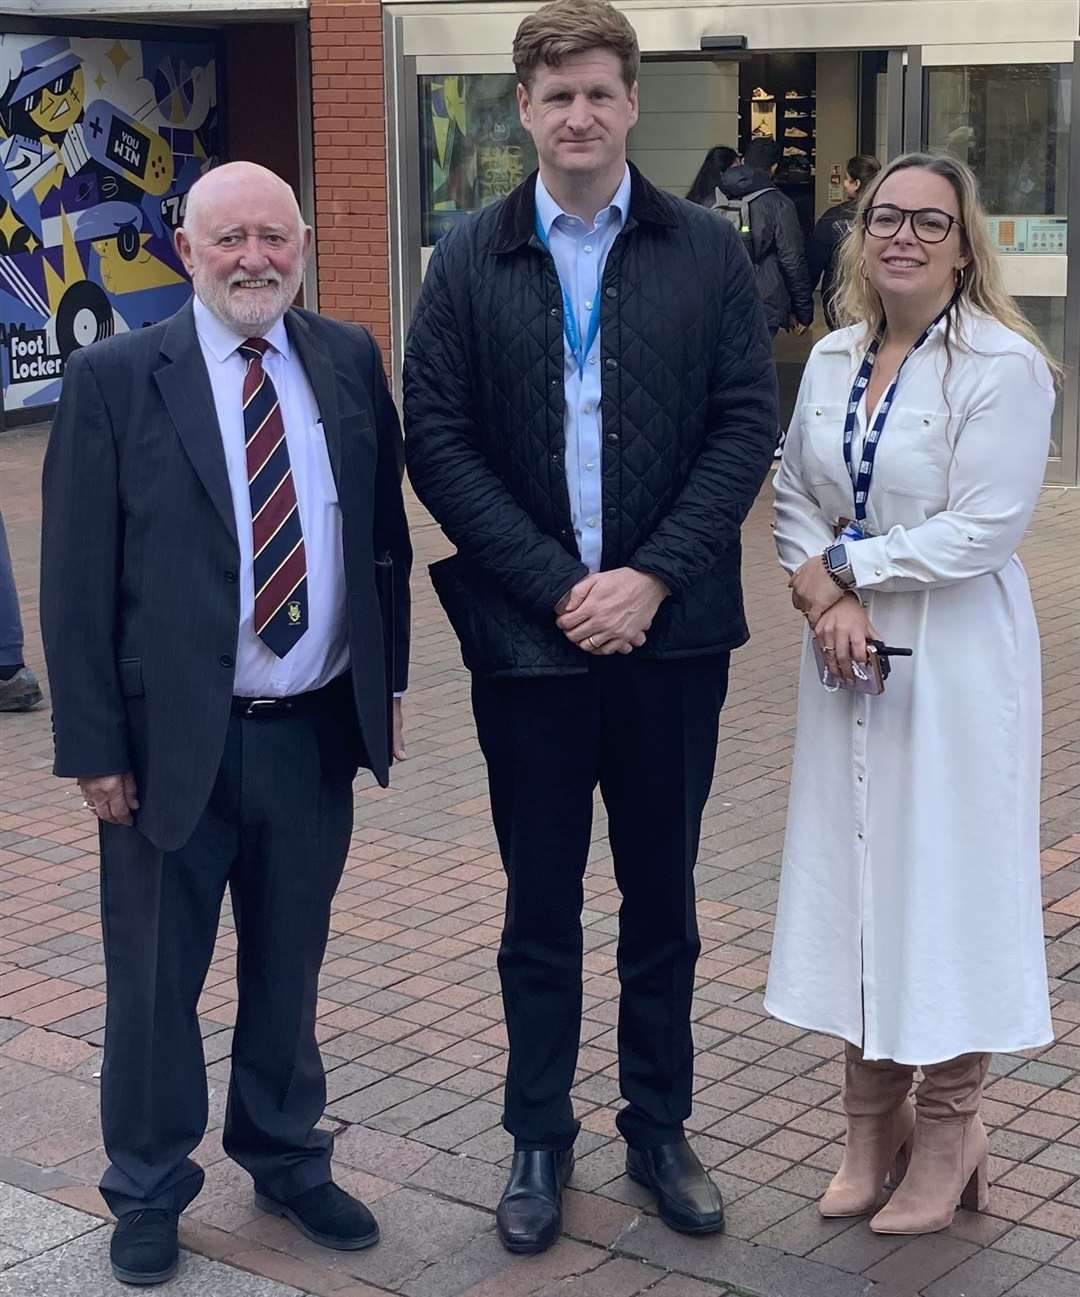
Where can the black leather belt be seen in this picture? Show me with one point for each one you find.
(266, 708)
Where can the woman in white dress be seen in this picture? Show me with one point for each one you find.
(909, 919)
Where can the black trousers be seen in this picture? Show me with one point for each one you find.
(276, 832)
(645, 732)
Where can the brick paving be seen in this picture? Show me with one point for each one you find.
(410, 1016)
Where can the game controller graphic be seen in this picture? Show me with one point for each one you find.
(123, 145)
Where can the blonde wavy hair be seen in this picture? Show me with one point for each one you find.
(980, 286)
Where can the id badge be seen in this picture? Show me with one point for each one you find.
(846, 529)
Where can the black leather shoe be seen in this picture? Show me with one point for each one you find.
(143, 1249)
(529, 1215)
(689, 1201)
(328, 1216)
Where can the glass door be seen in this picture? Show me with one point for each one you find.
(1010, 120)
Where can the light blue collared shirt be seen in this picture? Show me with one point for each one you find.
(580, 255)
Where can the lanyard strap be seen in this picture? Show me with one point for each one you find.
(571, 327)
(864, 476)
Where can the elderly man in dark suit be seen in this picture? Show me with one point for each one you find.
(225, 567)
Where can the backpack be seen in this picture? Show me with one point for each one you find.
(736, 211)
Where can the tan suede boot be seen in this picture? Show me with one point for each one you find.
(879, 1124)
(948, 1162)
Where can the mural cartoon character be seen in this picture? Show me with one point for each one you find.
(100, 140)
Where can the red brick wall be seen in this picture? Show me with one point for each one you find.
(350, 163)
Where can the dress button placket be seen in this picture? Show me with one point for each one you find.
(861, 714)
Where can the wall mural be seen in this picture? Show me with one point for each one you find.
(100, 140)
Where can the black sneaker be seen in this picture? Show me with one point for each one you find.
(328, 1216)
(21, 693)
(143, 1249)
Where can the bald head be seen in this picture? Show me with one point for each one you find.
(240, 183)
(244, 244)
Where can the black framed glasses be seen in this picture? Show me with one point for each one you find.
(928, 224)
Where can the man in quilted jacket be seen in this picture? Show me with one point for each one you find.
(590, 410)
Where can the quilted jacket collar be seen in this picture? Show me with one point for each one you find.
(517, 221)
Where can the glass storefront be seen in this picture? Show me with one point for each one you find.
(1010, 124)
(473, 148)
(1047, 314)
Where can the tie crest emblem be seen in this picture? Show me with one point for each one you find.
(294, 612)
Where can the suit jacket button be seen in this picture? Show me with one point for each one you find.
(230, 576)
(226, 659)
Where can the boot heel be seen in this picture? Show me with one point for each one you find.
(976, 1195)
(903, 1161)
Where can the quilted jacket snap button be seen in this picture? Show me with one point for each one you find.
(611, 292)
(611, 363)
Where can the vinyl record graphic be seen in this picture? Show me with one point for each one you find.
(83, 316)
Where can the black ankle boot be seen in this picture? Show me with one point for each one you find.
(143, 1249)
(529, 1215)
(688, 1199)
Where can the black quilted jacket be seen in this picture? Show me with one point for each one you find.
(689, 426)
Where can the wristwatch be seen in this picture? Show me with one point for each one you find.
(836, 563)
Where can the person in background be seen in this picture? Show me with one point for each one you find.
(823, 246)
(707, 181)
(590, 408)
(19, 689)
(777, 247)
(909, 920)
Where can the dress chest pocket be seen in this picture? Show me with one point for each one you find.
(822, 434)
(914, 454)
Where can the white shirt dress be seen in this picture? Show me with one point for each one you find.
(909, 919)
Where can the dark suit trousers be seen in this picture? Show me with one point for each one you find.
(645, 732)
(275, 832)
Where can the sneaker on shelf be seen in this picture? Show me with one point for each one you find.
(762, 132)
(794, 94)
(793, 151)
(790, 116)
(759, 93)
(796, 134)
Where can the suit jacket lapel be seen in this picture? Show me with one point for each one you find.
(185, 388)
(323, 380)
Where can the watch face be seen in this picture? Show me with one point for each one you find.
(837, 558)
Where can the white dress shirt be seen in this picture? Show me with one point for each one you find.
(322, 652)
(580, 254)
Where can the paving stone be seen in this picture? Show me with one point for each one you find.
(761, 1270)
(920, 1261)
(567, 1260)
(1047, 1281)
(1035, 1244)
(81, 1269)
(987, 1274)
(416, 1230)
(857, 1249)
(465, 1179)
(32, 1224)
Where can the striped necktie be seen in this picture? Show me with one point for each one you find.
(281, 613)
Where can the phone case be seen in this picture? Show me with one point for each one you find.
(869, 679)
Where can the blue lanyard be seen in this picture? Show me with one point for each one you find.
(570, 320)
(862, 479)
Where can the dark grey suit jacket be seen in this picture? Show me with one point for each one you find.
(139, 593)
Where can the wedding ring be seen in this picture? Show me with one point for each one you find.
(90, 806)
(592, 642)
